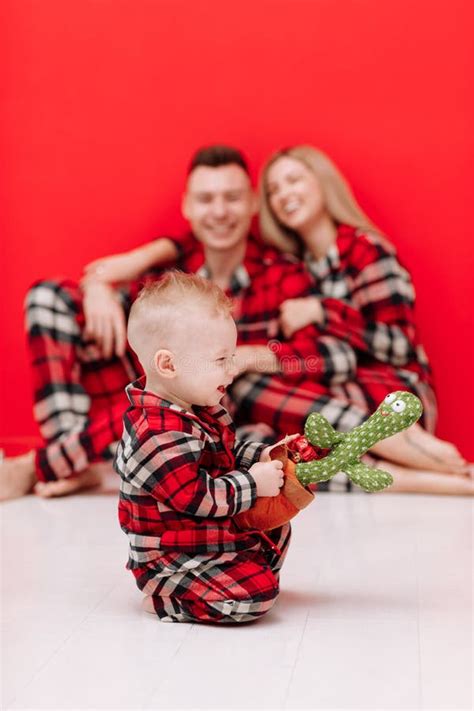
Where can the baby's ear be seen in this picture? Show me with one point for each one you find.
(163, 363)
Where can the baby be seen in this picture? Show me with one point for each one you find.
(184, 477)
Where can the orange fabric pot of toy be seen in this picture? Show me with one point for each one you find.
(273, 511)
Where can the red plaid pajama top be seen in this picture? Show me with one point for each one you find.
(183, 479)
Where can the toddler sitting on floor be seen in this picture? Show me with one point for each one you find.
(184, 477)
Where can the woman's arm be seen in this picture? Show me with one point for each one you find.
(310, 351)
(379, 320)
(304, 353)
(323, 358)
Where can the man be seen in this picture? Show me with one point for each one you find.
(81, 363)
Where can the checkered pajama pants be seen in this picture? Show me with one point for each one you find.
(285, 407)
(227, 589)
(79, 397)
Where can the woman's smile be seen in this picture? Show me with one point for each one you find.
(290, 206)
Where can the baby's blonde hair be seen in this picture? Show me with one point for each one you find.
(162, 306)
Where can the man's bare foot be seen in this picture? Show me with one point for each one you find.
(63, 487)
(147, 605)
(417, 481)
(17, 476)
(417, 449)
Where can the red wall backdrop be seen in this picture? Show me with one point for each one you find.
(104, 100)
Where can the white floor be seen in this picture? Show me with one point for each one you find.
(375, 613)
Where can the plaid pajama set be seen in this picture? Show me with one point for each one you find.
(183, 478)
(366, 347)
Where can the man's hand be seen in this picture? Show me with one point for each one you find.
(298, 313)
(255, 359)
(104, 318)
(268, 477)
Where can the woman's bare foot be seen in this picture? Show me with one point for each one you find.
(417, 481)
(147, 605)
(417, 449)
(17, 476)
(63, 487)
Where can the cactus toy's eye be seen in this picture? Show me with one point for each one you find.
(398, 406)
(390, 398)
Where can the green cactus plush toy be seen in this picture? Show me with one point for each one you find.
(397, 411)
(303, 465)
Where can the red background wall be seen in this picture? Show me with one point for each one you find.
(104, 100)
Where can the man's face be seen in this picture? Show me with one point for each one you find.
(219, 204)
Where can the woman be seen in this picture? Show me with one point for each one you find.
(362, 295)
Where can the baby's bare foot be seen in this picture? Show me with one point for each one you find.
(17, 476)
(63, 487)
(147, 605)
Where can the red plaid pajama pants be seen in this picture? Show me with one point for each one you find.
(268, 398)
(227, 588)
(79, 396)
(285, 407)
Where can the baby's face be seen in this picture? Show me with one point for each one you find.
(205, 360)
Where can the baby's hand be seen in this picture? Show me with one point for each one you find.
(268, 477)
(265, 455)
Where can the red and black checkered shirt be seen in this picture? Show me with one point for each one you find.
(183, 479)
(368, 300)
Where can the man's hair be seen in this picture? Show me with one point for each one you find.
(216, 156)
(162, 305)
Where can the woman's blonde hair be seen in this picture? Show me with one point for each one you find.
(340, 201)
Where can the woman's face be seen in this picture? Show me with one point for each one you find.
(294, 193)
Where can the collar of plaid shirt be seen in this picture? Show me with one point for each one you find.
(256, 255)
(339, 252)
(331, 262)
(206, 417)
